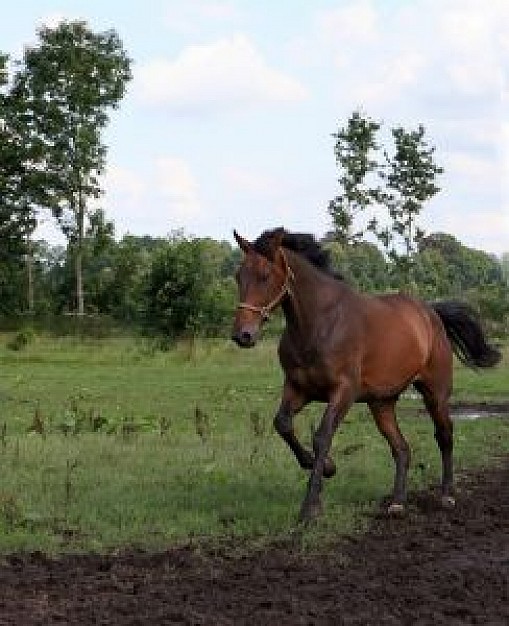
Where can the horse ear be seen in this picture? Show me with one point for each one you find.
(244, 244)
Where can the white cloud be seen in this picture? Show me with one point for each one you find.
(473, 167)
(505, 158)
(390, 80)
(472, 26)
(355, 23)
(486, 229)
(245, 180)
(420, 54)
(153, 201)
(228, 73)
(474, 34)
(177, 185)
(335, 35)
(190, 17)
(121, 180)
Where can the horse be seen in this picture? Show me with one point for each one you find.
(341, 346)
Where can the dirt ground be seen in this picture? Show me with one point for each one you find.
(430, 567)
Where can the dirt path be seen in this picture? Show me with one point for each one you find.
(433, 567)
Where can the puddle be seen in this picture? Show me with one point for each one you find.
(480, 410)
(475, 410)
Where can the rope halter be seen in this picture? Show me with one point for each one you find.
(267, 309)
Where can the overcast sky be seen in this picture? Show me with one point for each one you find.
(228, 120)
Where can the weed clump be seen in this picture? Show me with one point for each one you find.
(21, 340)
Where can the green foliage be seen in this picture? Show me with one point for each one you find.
(399, 184)
(410, 182)
(16, 218)
(354, 150)
(445, 268)
(175, 288)
(66, 85)
(21, 340)
(456, 267)
(186, 292)
(360, 263)
(504, 263)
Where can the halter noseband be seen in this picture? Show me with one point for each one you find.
(267, 309)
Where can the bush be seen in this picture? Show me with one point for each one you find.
(21, 340)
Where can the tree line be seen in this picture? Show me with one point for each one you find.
(53, 110)
(184, 286)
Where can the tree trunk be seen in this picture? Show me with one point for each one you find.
(80, 298)
(29, 264)
(29, 259)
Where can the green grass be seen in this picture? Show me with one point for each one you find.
(167, 447)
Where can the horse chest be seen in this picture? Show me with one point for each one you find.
(311, 379)
(307, 370)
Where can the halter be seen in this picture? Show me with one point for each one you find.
(267, 309)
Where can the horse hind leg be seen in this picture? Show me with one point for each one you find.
(437, 405)
(385, 418)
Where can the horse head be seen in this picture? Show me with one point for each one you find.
(263, 281)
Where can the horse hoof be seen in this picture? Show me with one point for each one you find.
(396, 509)
(310, 513)
(448, 502)
(329, 469)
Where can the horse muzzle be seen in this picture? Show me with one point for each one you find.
(245, 338)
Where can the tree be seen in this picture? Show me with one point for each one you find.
(465, 268)
(16, 219)
(504, 262)
(68, 82)
(398, 185)
(361, 263)
(188, 292)
(176, 285)
(354, 149)
(410, 181)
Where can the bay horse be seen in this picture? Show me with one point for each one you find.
(341, 346)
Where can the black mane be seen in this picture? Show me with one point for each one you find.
(302, 243)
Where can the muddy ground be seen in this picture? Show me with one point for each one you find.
(431, 567)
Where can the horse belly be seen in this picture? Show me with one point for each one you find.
(400, 339)
(389, 373)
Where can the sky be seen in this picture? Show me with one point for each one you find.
(229, 118)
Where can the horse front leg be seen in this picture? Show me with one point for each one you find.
(292, 402)
(334, 413)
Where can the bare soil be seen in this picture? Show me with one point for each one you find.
(429, 567)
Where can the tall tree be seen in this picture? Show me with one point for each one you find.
(410, 180)
(29, 183)
(68, 83)
(355, 149)
(16, 219)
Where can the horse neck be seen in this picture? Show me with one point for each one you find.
(311, 289)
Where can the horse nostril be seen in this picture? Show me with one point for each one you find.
(245, 337)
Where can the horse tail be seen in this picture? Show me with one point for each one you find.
(466, 335)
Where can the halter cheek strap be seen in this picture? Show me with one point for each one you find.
(267, 309)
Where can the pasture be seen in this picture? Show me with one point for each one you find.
(112, 443)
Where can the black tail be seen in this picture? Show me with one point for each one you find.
(466, 334)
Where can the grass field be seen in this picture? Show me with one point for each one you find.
(108, 443)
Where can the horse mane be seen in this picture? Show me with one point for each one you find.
(303, 244)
